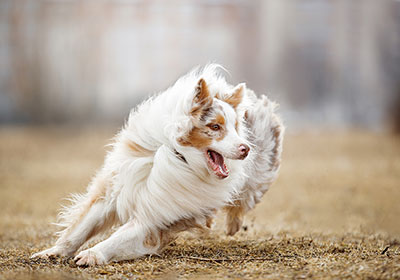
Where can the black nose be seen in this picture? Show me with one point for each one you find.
(243, 151)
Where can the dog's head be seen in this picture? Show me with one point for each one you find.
(216, 127)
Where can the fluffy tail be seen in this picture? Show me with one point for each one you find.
(266, 135)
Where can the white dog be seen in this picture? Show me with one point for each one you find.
(197, 147)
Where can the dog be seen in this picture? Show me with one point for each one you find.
(201, 146)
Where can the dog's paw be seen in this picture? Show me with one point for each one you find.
(51, 252)
(89, 258)
(233, 226)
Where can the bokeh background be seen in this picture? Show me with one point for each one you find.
(329, 64)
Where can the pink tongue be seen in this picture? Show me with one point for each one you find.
(219, 160)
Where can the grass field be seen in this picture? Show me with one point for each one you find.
(333, 213)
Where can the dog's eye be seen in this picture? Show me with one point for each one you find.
(215, 127)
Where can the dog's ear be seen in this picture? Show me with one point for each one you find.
(202, 95)
(202, 98)
(236, 97)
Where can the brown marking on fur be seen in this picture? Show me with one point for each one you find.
(166, 238)
(100, 191)
(237, 125)
(204, 113)
(210, 218)
(202, 96)
(196, 138)
(275, 159)
(105, 224)
(222, 136)
(186, 224)
(219, 119)
(209, 221)
(163, 237)
(246, 115)
(159, 238)
(152, 239)
(235, 98)
(96, 195)
(137, 150)
(202, 101)
(196, 111)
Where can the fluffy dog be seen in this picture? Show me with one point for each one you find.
(200, 146)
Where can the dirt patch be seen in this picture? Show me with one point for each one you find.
(333, 213)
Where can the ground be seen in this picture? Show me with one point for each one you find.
(333, 213)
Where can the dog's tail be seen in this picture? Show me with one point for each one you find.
(266, 135)
(266, 131)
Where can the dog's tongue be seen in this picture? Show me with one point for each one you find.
(220, 167)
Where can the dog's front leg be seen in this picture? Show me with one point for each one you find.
(128, 242)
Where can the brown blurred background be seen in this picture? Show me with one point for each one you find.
(332, 64)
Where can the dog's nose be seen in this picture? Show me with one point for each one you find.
(243, 151)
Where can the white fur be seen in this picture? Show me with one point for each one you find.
(152, 191)
(262, 172)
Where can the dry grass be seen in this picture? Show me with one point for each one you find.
(333, 213)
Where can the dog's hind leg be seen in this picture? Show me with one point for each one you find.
(128, 242)
(87, 217)
(234, 217)
(133, 240)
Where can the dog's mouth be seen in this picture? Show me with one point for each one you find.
(217, 164)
